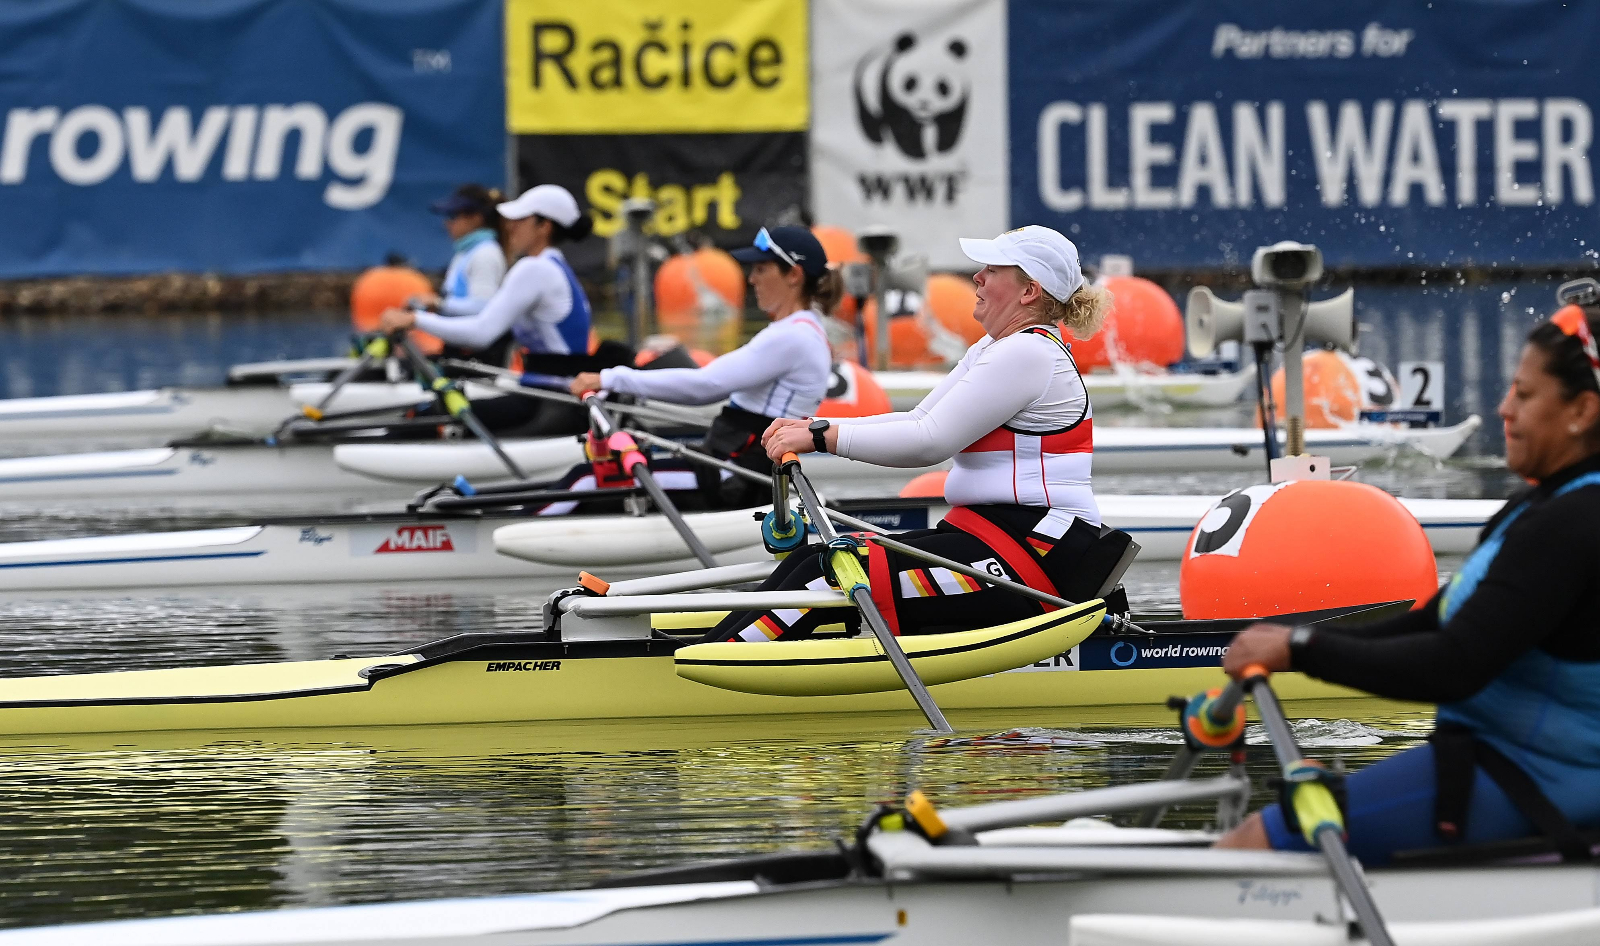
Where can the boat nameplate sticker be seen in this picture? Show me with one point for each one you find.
(413, 538)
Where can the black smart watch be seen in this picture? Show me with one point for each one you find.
(1299, 638)
(819, 428)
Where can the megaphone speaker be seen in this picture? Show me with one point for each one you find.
(1332, 321)
(1210, 321)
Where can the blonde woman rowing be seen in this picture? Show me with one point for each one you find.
(1015, 417)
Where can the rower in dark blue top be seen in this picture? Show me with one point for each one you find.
(1509, 650)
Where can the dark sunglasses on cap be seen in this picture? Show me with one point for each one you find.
(763, 242)
(1572, 321)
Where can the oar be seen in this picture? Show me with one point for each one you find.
(852, 580)
(511, 383)
(634, 463)
(1314, 806)
(456, 403)
(877, 536)
(376, 350)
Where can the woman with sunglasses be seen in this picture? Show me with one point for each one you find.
(1509, 649)
(781, 373)
(1015, 418)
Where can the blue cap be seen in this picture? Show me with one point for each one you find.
(797, 243)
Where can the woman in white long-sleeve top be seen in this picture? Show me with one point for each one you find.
(1015, 418)
(781, 373)
(540, 302)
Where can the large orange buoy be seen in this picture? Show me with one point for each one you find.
(688, 286)
(1144, 328)
(853, 392)
(1302, 546)
(909, 338)
(1338, 388)
(930, 483)
(389, 287)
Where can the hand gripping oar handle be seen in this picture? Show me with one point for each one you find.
(1314, 805)
(456, 403)
(634, 463)
(845, 564)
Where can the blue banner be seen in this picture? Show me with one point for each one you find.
(240, 136)
(1186, 133)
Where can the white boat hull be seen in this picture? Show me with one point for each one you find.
(1116, 450)
(1216, 449)
(337, 550)
(162, 413)
(356, 548)
(1505, 906)
(182, 474)
(907, 388)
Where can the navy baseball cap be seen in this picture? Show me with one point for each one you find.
(794, 246)
(467, 199)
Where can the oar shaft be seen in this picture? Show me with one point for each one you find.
(1328, 836)
(690, 453)
(845, 562)
(376, 349)
(636, 466)
(670, 511)
(514, 385)
(1279, 733)
(457, 405)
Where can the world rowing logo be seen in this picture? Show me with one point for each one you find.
(417, 539)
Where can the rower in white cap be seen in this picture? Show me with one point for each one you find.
(1014, 416)
(540, 301)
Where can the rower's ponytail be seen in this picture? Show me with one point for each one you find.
(1084, 311)
(824, 291)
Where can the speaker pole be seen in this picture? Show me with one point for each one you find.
(1293, 304)
(1269, 410)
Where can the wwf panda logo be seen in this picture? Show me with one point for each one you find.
(914, 94)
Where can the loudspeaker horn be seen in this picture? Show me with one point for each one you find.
(1332, 321)
(1209, 321)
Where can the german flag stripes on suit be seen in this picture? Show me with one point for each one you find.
(931, 582)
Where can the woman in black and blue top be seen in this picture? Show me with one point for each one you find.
(1509, 650)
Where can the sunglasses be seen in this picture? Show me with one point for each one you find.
(763, 241)
(1572, 321)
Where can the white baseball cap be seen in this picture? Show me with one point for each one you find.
(551, 201)
(1046, 256)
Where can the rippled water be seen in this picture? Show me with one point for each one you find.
(132, 826)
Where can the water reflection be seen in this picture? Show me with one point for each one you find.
(100, 830)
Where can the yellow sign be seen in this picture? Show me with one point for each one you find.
(678, 208)
(631, 66)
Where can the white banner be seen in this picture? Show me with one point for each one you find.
(909, 122)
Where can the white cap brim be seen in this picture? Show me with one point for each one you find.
(987, 252)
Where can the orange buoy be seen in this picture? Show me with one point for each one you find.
(930, 483)
(840, 244)
(1302, 546)
(699, 296)
(853, 392)
(1143, 328)
(950, 301)
(389, 287)
(1338, 388)
(909, 337)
